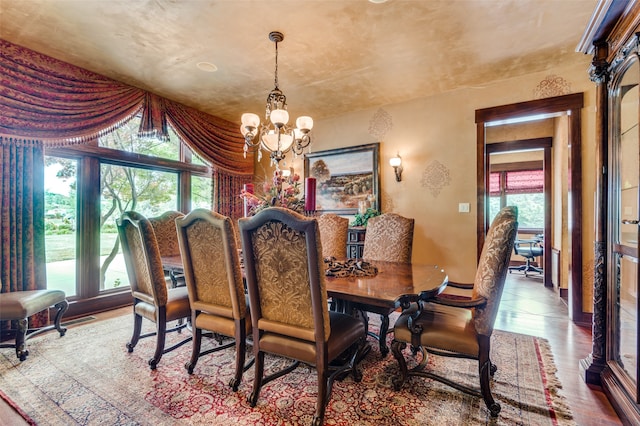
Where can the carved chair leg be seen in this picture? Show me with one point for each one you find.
(323, 395)
(384, 329)
(137, 328)
(195, 350)
(257, 379)
(397, 348)
(484, 371)
(161, 327)
(241, 347)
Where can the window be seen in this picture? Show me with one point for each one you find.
(522, 188)
(89, 186)
(60, 223)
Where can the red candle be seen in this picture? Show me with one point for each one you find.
(310, 194)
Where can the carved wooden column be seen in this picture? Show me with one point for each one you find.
(594, 363)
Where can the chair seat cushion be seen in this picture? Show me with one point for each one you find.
(177, 305)
(345, 332)
(443, 327)
(22, 304)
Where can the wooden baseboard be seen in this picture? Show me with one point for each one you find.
(564, 293)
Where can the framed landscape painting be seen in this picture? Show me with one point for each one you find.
(346, 178)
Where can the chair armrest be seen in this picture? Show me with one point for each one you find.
(465, 286)
(460, 303)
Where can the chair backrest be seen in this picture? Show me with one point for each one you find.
(142, 258)
(284, 270)
(333, 232)
(164, 227)
(493, 267)
(389, 238)
(211, 263)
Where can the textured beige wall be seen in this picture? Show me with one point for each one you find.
(436, 138)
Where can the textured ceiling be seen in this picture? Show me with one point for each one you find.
(336, 56)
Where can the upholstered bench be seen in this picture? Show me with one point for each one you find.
(20, 305)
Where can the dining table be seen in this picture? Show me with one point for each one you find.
(391, 285)
(394, 285)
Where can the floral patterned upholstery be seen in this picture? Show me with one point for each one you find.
(212, 274)
(284, 271)
(151, 298)
(493, 267)
(462, 328)
(389, 238)
(281, 266)
(333, 232)
(164, 227)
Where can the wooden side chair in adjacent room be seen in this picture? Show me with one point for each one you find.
(214, 282)
(151, 298)
(285, 277)
(461, 328)
(389, 238)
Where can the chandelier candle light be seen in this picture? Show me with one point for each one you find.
(275, 136)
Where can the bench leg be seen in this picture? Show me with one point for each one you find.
(21, 337)
(23, 327)
(62, 308)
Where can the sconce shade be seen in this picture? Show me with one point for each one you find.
(396, 163)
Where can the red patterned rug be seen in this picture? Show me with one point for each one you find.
(89, 378)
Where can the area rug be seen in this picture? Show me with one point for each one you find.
(87, 377)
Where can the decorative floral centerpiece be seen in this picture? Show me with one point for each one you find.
(282, 191)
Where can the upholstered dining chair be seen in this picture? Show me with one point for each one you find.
(285, 278)
(389, 238)
(214, 282)
(461, 328)
(333, 232)
(164, 226)
(151, 298)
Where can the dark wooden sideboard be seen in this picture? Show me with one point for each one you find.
(355, 241)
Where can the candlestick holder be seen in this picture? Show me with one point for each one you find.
(310, 213)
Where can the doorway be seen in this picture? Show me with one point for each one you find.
(570, 106)
(539, 148)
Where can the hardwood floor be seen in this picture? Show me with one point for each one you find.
(527, 307)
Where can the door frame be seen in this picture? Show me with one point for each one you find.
(571, 105)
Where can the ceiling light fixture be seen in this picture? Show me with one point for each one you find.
(275, 136)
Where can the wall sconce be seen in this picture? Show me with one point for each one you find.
(396, 163)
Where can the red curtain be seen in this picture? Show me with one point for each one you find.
(45, 102)
(22, 254)
(59, 103)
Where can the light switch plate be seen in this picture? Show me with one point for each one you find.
(463, 207)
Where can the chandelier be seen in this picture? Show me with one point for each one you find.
(274, 135)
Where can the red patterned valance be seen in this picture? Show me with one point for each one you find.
(517, 182)
(59, 103)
